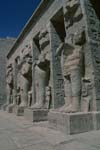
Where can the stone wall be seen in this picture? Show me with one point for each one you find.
(62, 38)
(5, 46)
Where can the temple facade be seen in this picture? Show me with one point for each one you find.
(5, 46)
(53, 68)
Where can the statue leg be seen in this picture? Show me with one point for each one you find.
(76, 89)
(68, 91)
(40, 88)
(8, 95)
(24, 92)
(68, 95)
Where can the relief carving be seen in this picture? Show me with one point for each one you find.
(73, 12)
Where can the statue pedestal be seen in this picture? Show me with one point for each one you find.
(4, 107)
(10, 108)
(74, 123)
(19, 111)
(36, 115)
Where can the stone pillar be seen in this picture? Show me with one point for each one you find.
(93, 33)
(56, 73)
(35, 53)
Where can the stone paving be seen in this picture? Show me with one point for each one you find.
(17, 133)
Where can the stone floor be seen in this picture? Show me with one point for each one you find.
(17, 133)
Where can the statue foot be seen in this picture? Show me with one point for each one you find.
(5, 105)
(37, 106)
(11, 105)
(67, 109)
(22, 105)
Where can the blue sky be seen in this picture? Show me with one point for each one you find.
(14, 14)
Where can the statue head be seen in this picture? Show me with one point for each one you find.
(26, 64)
(43, 39)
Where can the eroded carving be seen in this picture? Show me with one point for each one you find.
(9, 81)
(87, 95)
(25, 76)
(42, 71)
(72, 70)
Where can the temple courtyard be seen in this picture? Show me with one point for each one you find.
(17, 133)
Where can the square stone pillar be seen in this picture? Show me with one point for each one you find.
(56, 75)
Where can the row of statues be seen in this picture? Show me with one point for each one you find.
(41, 87)
(77, 86)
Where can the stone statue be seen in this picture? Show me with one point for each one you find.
(9, 81)
(18, 87)
(42, 71)
(72, 68)
(87, 95)
(25, 76)
(48, 97)
(29, 98)
(73, 12)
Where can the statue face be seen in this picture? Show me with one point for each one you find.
(26, 68)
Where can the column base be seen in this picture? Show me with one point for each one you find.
(4, 107)
(19, 111)
(36, 115)
(74, 123)
(10, 108)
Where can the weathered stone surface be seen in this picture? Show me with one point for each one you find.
(72, 123)
(96, 122)
(42, 72)
(72, 70)
(18, 133)
(36, 115)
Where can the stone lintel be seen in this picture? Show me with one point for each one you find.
(74, 123)
(36, 115)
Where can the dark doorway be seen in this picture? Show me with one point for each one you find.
(96, 6)
(58, 23)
